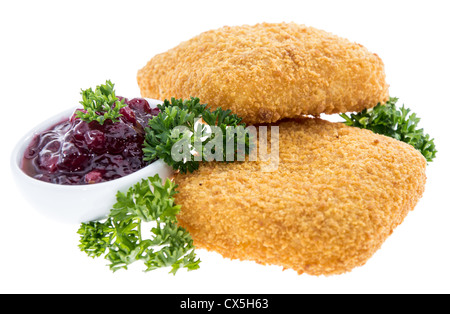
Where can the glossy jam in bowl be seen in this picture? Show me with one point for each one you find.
(74, 152)
(75, 203)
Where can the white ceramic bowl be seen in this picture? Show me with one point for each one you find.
(75, 203)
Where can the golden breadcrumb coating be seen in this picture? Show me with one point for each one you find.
(267, 72)
(336, 196)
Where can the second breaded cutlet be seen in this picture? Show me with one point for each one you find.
(268, 71)
(337, 195)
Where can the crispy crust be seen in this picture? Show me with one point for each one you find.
(338, 193)
(268, 72)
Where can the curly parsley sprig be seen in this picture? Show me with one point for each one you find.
(398, 123)
(101, 104)
(119, 237)
(163, 134)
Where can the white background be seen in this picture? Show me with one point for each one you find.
(51, 49)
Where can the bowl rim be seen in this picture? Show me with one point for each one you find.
(24, 141)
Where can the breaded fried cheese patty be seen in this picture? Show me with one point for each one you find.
(337, 194)
(268, 72)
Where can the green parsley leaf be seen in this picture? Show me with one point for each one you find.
(398, 123)
(119, 236)
(101, 104)
(163, 134)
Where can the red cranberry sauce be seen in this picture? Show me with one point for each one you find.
(75, 152)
